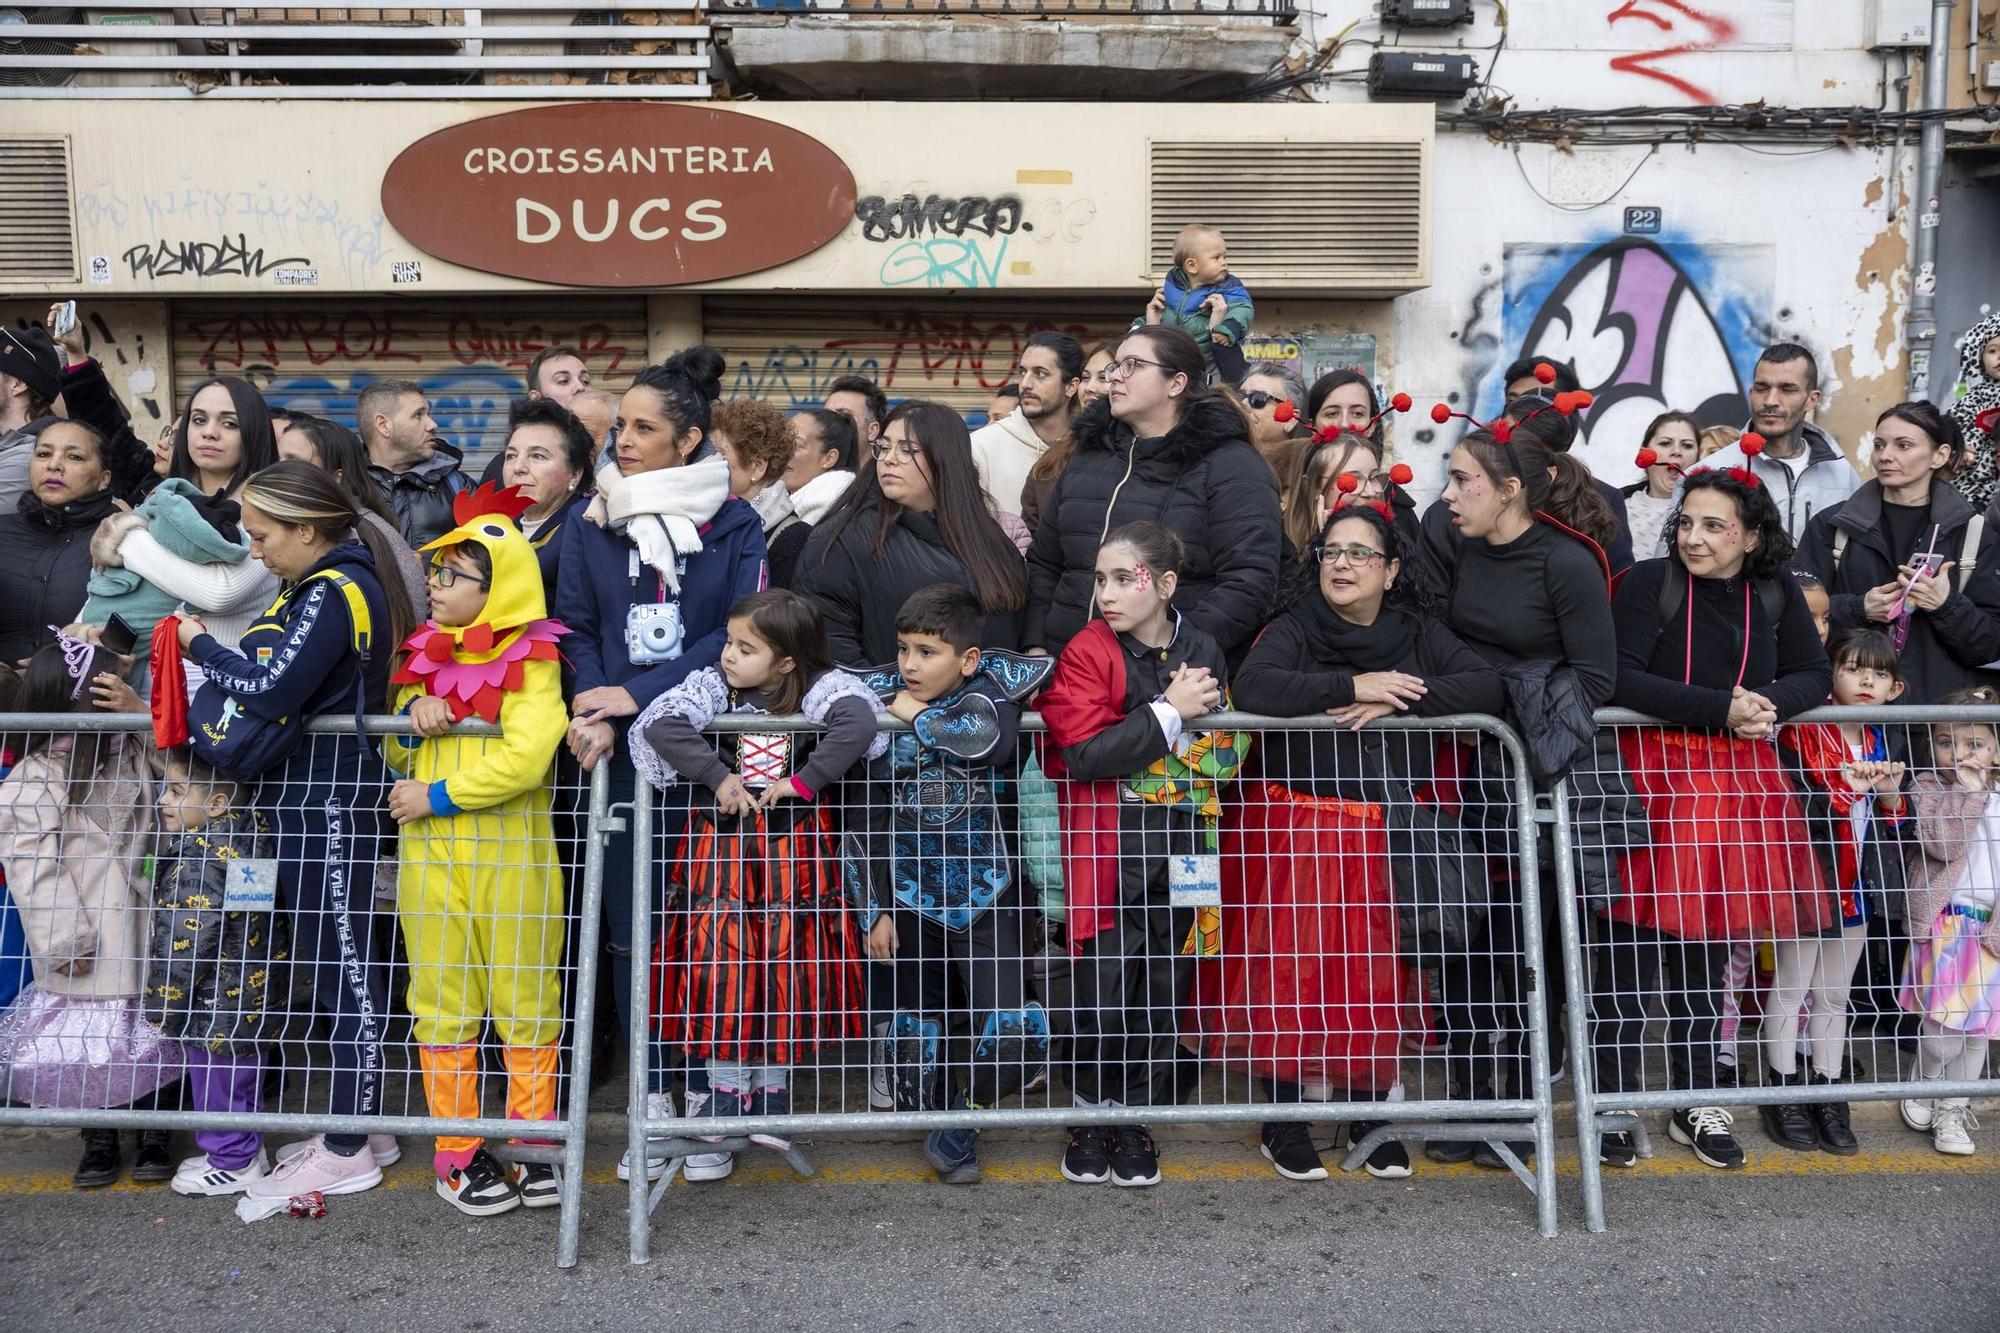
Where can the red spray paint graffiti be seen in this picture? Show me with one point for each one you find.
(1668, 16)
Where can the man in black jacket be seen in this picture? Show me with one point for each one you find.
(416, 471)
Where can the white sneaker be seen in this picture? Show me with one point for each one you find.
(1949, 1130)
(197, 1178)
(709, 1165)
(1918, 1114)
(384, 1148)
(659, 1106)
(318, 1168)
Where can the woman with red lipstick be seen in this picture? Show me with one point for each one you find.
(1907, 554)
(1717, 642)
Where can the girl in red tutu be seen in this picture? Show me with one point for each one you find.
(1717, 642)
(1331, 884)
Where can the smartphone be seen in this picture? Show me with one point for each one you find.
(65, 319)
(118, 637)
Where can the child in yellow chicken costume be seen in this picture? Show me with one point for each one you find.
(480, 896)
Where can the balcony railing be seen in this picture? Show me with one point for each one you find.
(504, 49)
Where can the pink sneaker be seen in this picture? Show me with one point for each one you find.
(318, 1169)
(383, 1147)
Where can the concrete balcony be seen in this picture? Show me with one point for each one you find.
(1109, 50)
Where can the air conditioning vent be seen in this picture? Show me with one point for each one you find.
(37, 241)
(1348, 216)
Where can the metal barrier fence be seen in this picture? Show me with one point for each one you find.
(239, 961)
(1376, 959)
(1774, 885)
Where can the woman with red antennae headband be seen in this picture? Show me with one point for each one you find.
(1530, 593)
(1344, 464)
(1717, 642)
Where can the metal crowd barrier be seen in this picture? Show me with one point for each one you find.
(281, 1002)
(1349, 929)
(1727, 917)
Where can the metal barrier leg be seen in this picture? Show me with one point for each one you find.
(1544, 1183)
(1582, 1074)
(638, 1219)
(588, 936)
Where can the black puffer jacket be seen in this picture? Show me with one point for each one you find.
(860, 592)
(44, 568)
(1203, 481)
(422, 496)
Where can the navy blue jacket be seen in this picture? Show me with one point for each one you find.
(594, 591)
(302, 660)
(548, 539)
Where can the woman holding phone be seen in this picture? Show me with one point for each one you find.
(1909, 555)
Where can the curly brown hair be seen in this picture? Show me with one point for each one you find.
(757, 432)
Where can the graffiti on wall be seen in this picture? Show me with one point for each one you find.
(1648, 325)
(285, 220)
(319, 360)
(1679, 28)
(910, 356)
(960, 242)
(120, 350)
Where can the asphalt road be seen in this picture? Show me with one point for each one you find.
(1897, 1238)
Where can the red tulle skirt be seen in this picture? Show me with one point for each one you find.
(762, 964)
(1310, 987)
(1730, 857)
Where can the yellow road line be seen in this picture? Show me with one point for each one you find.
(1016, 1168)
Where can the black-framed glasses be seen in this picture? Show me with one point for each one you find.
(1126, 366)
(881, 449)
(446, 577)
(1359, 556)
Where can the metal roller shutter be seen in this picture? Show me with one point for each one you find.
(469, 355)
(787, 350)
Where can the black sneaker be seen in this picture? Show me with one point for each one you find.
(1085, 1161)
(1390, 1160)
(100, 1162)
(1288, 1146)
(481, 1189)
(1788, 1124)
(771, 1101)
(1450, 1152)
(152, 1162)
(721, 1105)
(1617, 1150)
(1706, 1130)
(1134, 1159)
(539, 1184)
(1830, 1119)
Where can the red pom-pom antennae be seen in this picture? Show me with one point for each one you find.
(1502, 431)
(1583, 398)
(1544, 373)
(1647, 458)
(1401, 474)
(1347, 483)
(1751, 443)
(1285, 413)
(1440, 413)
(1402, 402)
(1327, 434)
(1565, 403)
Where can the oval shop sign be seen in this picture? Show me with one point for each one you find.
(610, 195)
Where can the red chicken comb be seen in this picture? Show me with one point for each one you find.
(489, 499)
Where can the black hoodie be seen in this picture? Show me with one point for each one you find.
(45, 568)
(1203, 481)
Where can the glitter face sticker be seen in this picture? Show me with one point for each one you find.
(1142, 578)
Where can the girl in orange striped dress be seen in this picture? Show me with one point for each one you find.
(762, 967)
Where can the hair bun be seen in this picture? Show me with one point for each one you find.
(701, 366)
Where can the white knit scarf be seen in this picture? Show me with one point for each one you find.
(811, 501)
(661, 512)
